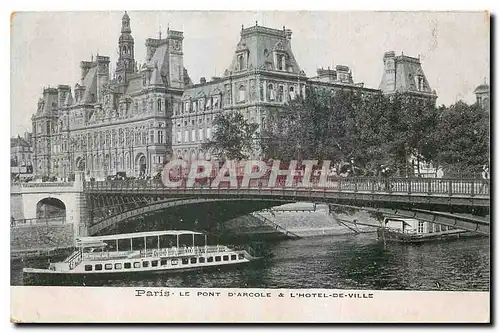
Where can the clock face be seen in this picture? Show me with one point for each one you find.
(177, 45)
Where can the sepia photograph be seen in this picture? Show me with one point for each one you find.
(278, 156)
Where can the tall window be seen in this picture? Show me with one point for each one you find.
(420, 82)
(160, 136)
(241, 94)
(420, 228)
(280, 93)
(292, 93)
(200, 134)
(270, 92)
(209, 133)
(280, 62)
(193, 135)
(179, 137)
(158, 104)
(241, 62)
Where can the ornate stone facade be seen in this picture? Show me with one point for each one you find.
(110, 125)
(142, 116)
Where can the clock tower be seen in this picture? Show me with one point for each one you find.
(126, 62)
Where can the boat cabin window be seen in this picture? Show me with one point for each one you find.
(185, 261)
(241, 256)
(225, 258)
(154, 263)
(118, 265)
(217, 258)
(98, 267)
(201, 260)
(233, 257)
(145, 263)
(127, 265)
(137, 265)
(210, 259)
(164, 262)
(88, 268)
(193, 260)
(174, 262)
(108, 266)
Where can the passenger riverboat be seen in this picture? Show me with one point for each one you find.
(115, 256)
(407, 230)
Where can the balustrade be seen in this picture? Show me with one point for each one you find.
(436, 186)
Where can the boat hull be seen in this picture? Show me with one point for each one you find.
(386, 235)
(55, 278)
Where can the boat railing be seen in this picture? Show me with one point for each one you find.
(174, 251)
(106, 254)
(75, 259)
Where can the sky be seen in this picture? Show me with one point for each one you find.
(47, 47)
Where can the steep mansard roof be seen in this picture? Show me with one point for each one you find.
(260, 43)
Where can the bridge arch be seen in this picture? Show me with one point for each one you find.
(50, 207)
(462, 222)
(156, 207)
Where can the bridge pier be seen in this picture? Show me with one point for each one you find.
(80, 214)
(25, 198)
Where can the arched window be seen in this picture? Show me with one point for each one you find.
(280, 62)
(241, 94)
(291, 92)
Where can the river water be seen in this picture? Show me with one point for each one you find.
(341, 262)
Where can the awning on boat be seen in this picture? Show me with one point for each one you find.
(88, 240)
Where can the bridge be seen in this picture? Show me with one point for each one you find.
(104, 205)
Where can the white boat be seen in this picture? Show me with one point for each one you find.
(112, 256)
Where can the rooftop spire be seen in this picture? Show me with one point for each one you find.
(126, 23)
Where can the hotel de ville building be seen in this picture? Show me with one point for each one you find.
(133, 120)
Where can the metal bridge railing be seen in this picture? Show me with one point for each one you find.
(37, 222)
(430, 186)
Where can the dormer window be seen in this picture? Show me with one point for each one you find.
(280, 62)
(420, 83)
(241, 62)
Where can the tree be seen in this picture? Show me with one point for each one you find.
(461, 139)
(233, 137)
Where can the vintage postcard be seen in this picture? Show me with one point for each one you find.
(243, 166)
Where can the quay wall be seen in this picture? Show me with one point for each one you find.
(41, 237)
